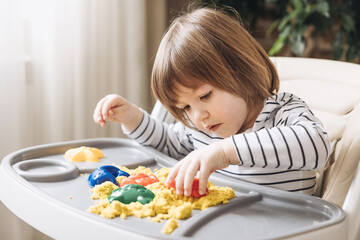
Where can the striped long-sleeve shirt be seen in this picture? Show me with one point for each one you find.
(283, 149)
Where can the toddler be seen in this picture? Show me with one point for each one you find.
(219, 83)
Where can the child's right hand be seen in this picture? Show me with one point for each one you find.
(117, 109)
(204, 161)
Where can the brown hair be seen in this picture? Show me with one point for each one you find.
(212, 47)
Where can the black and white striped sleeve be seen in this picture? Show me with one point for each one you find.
(171, 139)
(296, 139)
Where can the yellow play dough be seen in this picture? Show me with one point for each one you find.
(84, 154)
(166, 205)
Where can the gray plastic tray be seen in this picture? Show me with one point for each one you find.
(257, 212)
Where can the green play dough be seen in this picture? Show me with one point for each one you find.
(132, 193)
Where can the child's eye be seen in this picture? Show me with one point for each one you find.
(206, 95)
(187, 107)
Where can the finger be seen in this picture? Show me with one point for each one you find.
(110, 108)
(181, 176)
(191, 171)
(203, 179)
(172, 175)
(115, 114)
(105, 108)
(98, 111)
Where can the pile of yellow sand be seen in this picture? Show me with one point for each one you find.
(166, 205)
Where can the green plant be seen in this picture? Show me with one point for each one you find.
(294, 23)
(299, 21)
(347, 39)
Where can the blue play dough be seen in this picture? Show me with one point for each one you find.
(105, 173)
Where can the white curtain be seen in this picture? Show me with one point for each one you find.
(57, 59)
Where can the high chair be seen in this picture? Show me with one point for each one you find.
(332, 91)
(52, 194)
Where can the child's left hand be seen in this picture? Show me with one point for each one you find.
(205, 160)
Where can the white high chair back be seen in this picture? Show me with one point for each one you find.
(332, 91)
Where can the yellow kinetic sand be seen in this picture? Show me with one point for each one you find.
(84, 154)
(166, 205)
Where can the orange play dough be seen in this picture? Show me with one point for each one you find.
(84, 154)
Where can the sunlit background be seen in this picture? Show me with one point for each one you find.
(59, 57)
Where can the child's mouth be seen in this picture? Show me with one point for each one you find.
(214, 127)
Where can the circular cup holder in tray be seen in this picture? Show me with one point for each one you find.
(46, 170)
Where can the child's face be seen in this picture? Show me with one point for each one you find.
(213, 110)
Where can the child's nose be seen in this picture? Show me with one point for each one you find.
(201, 115)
